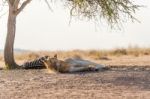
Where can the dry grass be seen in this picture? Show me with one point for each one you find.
(119, 56)
(91, 54)
(1, 57)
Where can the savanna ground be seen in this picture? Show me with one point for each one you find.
(127, 78)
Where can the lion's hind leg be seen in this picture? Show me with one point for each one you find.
(95, 67)
(79, 68)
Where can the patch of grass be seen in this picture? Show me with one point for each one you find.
(118, 52)
(1, 58)
(136, 51)
(91, 54)
(97, 54)
(27, 55)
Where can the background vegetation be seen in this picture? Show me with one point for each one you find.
(92, 54)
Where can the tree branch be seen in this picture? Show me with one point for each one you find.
(48, 5)
(16, 3)
(9, 2)
(23, 6)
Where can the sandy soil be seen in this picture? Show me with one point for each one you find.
(115, 83)
(108, 84)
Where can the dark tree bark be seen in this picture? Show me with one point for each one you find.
(9, 45)
(11, 30)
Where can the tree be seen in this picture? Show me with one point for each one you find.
(110, 10)
(14, 10)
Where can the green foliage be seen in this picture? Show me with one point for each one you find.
(113, 11)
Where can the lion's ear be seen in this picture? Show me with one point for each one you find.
(43, 61)
(48, 58)
(55, 56)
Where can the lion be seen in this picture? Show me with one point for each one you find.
(70, 65)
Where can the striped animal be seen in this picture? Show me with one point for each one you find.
(35, 64)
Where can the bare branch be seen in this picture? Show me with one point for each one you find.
(16, 3)
(9, 2)
(23, 6)
(48, 5)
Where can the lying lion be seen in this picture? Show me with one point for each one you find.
(70, 65)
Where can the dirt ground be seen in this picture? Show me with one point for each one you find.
(115, 83)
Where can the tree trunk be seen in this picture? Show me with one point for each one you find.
(9, 45)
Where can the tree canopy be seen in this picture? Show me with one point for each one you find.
(112, 11)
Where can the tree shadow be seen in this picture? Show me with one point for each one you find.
(87, 72)
(140, 82)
